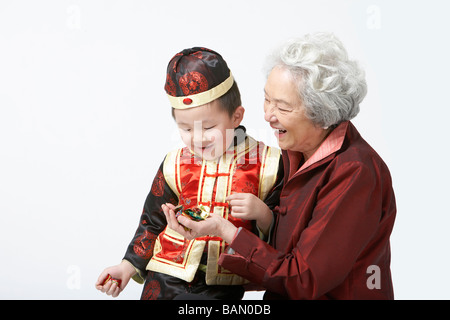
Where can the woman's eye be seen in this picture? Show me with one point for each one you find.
(283, 110)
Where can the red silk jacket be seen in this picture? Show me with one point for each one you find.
(184, 178)
(331, 237)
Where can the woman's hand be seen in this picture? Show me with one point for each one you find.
(249, 207)
(214, 225)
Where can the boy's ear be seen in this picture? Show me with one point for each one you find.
(238, 116)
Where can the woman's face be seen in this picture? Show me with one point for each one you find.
(285, 111)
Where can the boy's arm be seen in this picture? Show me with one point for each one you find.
(273, 197)
(272, 200)
(152, 222)
(249, 207)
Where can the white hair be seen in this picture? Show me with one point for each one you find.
(330, 85)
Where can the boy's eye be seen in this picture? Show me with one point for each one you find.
(209, 127)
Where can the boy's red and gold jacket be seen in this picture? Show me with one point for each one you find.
(185, 178)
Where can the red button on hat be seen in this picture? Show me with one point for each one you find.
(187, 101)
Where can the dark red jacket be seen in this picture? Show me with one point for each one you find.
(331, 237)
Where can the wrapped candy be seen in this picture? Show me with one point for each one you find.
(195, 213)
(113, 280)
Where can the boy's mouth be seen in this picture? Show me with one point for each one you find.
(207, 147)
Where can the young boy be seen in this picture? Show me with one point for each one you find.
(219, 160)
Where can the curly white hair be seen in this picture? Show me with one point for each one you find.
(330, 84)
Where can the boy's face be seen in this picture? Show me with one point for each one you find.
(208, 130)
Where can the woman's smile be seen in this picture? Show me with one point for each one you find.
(279, 133)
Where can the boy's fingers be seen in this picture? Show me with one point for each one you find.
(235, 196)
(116, 292)
(237, 199)
(101, 278)
(237, 209)
(105, 288)
(235, 203)
(112, 289)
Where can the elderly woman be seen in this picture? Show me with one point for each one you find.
(330, 235)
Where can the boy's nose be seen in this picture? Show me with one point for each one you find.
(201, 138)
(198, 135)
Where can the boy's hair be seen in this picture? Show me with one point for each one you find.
(229, 101)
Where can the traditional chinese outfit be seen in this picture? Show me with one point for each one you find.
(173, 265)
(331, 238)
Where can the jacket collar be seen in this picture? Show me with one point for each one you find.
(329, 146)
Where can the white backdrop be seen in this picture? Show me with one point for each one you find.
(84, 123)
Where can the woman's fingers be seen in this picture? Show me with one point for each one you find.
(174, 224)
(170, 206)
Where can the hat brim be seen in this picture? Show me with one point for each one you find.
(201, 98)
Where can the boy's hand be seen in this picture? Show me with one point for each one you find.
(249, 207)
(123, 272)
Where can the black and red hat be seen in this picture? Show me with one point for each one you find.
(196, 76)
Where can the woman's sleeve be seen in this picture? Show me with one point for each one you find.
(151, 223)
(346, 216)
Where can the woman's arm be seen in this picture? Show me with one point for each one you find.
(346, 216)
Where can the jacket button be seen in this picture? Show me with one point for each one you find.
(281, 210)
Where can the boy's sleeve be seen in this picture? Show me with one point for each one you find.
(273, 197)
(152, 222)
(272, 200)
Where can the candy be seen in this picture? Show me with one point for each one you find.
(197, 213)
(113, 280)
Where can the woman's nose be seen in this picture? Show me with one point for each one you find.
(268, 115)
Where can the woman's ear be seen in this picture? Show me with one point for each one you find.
(238, 116)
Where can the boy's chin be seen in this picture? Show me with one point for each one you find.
(208, 156)
(209, 153)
